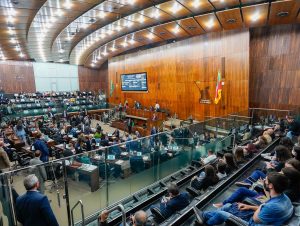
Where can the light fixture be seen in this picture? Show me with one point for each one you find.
(150, 36)
(196, 3)
(3, 58)
(53, 19)
(141, 19)
(255, 16)
(92, 64)
(176, 29)
(68, 4)
(22, 55)
(59, 12)
(69, 38)
(94, 61)
(155, 14)
(175, 8)
(124, 44)
(119, 28)
(129, 24)
(102, 35)
(13, 41)
(104, 53)
(113, 49)
(102, 15)
(131, 2)
(110, 32)
(131, 41)
(61, 60)
(99, 57)
(18, 48)
(210, 23)
(84, 25)
(61, 50)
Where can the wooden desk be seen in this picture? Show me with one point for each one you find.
(137, 117)
(91, 171)
(16, 142)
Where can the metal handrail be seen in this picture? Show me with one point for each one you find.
(82, 212)
(269, 109)
(121, 208)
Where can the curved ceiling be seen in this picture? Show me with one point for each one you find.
(88, 32)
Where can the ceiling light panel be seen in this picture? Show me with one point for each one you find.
(256, 15)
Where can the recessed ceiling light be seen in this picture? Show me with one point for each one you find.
(22, 55)
(175, 8)
(110, 32)
(102, 14)
(196, 3)
(282, 14)
(124, 44)
(68, 4)
(155, 14)
(255, 16)
(141, 19)
(92, 64)
(104, 53)
(210, 23)
(176, 29)
(12, 40)
(59, 12)
(131, 41)
(119, 28)
(231, 21)
(61, 50)
(99, 57)
(84, 25)
(113, 49)
(150, 36)
(10, 19)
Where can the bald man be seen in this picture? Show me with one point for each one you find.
(138, 219)
(4, 160)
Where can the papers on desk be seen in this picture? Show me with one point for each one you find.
(109, 134)
(87, 167)
(119, 162)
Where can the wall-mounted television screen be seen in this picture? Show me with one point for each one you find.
(134, 82)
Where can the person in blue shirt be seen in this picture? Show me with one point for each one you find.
(174, 202)
(276, 211)
(41, 145)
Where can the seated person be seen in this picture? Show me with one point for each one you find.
(261, 142)
(221, 168)
(210, 157)
(174, 202)
(138, 219)
(239, 155)
(206, 178)
(296, 152)
(276, 211)
(228, 159)
(116, 133)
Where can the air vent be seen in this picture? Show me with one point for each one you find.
(231, 21)
(282, 14)
(16, 2)
(162, 33)
(191, 27)
(92, 20)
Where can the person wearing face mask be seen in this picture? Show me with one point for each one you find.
(276, 211)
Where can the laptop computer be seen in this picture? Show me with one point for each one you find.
(111, 157)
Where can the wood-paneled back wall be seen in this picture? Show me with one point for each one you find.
(173, 69)
(16, 76)
(275, 67)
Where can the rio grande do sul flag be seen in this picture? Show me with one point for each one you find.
(218, 94)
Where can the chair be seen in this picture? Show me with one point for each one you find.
(137, 165)
(192, 191)
(157, 214)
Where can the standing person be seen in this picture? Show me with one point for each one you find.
(33, 208)
(4, 160)
(20, 131)
(41, 145)
(129, 125)
(38, 171)
(157, 107)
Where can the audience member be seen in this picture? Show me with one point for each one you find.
(221, 168)
(41, 145)
(33, 208)
(230, 162)
(4, 160)
(277, 210)
(38, 171)
(207, 178)
(210, 157)
(174, 202)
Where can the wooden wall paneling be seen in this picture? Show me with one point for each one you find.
(17, 76)
(275, 67)
(173, 70)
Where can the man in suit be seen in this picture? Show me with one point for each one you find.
(41, 145)
(38, 171)
(33, 208)
(4, 160)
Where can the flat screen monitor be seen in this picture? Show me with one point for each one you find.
(111, 157)
(134, 82)
(139, 153)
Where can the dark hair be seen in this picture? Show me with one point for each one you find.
(239, 154)
(295, 163)
(210, 173)
(297, 150)
(282, 153)
(285, 141)
(173, 189)
(230, 161)
(280, 182)
(221, 166)
(210, 151)
(293, 175)
(37, 153)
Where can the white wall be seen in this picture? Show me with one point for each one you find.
(55, 77)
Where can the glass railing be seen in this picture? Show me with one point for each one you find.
(104, 176)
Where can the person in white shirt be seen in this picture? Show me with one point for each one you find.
(157, 107)
(210, 157)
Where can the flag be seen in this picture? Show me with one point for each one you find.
(218, 89)
(112, 88)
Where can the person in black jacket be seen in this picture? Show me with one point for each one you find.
(205, 179)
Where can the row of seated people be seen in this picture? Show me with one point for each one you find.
(209, 177)
(266, 196)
